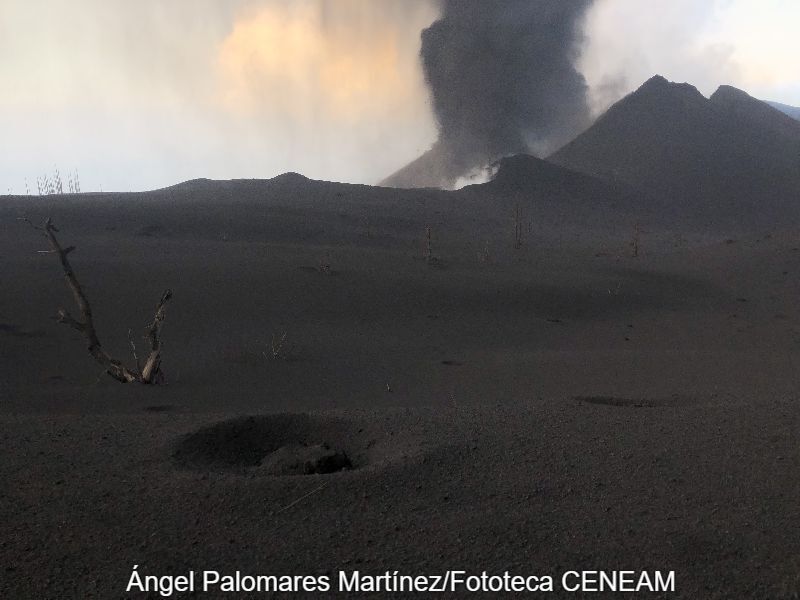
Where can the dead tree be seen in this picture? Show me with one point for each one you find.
(635, 241)
(429, 246)
(150, 373)
(517, 227)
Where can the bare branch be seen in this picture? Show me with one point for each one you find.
(29, 222)
(303, 497)
(86, 325)
(133, 350)
(64, 317)
(151, 373)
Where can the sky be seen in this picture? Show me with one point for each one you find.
(141, 95)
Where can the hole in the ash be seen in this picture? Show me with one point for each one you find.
(615, 401)
(674, 401)
(275, 445)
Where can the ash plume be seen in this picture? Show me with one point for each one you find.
(503, 81)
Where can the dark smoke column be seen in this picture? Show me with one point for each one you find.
(503, 81)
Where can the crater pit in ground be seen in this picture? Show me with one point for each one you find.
(622, 402)
(291, 444)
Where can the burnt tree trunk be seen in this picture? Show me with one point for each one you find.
(151, 372)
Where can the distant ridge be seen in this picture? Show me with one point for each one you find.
(431, 170)
(528, 174)
(740, 105)
(558, 199)
(204, 183)
(725, 158)
(438, 167)
(792, 111)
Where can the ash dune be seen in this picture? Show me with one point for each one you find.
(534, 404)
